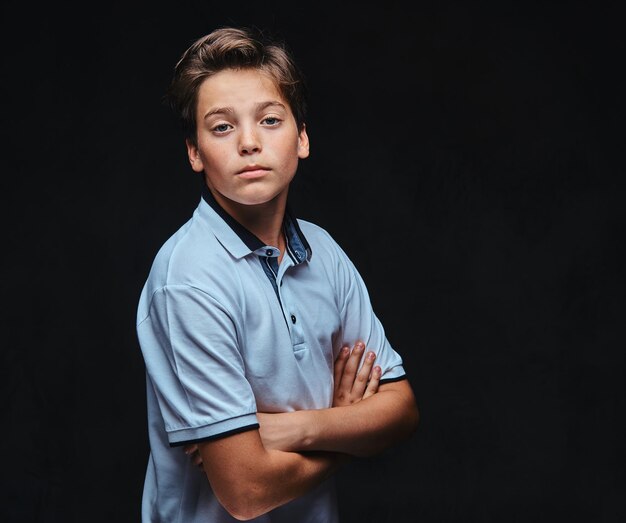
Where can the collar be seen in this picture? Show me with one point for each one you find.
(298, 247)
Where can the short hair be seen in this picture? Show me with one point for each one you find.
(234, 48)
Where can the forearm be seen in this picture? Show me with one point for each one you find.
(362, 429)
(252, 481)
(285, 476)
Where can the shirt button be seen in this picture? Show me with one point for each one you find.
(293, 319)
(269, 252)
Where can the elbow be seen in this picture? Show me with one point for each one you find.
(241, 515)
(413, 419)
(410, 418)
(242, 511)
(411, 414)
(244, 502)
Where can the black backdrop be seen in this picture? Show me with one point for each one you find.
(467, 156)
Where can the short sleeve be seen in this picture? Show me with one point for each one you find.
(359, 322)
(189, 345)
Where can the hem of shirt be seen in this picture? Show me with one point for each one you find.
(176, 436)
(391, 380)
(216, 436)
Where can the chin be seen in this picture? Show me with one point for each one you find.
(254, 201)
(256, 197)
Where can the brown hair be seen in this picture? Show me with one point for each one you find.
(233, 48)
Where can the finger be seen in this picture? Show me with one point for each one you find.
(190, 448)
(352, 366)
(372, 386)
(340, 364)
(360, 382)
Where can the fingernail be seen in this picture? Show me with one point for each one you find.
(345, 350)
(371, 356)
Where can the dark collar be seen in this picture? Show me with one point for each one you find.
(295, 236)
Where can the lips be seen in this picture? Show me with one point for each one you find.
(253, 171)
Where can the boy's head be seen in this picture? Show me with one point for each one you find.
(233, 48)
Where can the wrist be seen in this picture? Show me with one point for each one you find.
(309, 423)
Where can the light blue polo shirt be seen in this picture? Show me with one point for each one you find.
(225, 331)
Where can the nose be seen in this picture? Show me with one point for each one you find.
(249, 142)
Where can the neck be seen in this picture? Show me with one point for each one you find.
(264, 220)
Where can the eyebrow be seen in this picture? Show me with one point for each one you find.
(259, 107)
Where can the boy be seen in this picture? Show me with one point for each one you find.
(250, 320)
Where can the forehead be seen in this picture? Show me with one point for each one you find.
(237, 88)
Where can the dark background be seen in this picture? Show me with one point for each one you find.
(467, 156)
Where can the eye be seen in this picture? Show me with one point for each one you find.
(271, 121)
(221, 128)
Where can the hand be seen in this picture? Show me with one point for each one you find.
(192, 451)
(351, 384)
(282, 431)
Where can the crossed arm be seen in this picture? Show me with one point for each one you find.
(247, 471)
(364, 420)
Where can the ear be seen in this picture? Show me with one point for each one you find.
(194, 156)
(303, 143)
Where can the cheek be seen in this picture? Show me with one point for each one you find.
(289, 155)
(287, 167)
(215, 158)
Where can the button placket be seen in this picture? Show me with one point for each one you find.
(290, 311)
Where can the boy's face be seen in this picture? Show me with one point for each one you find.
(248, 140)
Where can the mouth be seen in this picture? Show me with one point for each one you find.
(253, 171)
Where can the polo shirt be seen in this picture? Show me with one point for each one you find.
(226, 332)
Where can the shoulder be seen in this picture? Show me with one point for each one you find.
(190, 270)
(323, 244)
(317, 236)
(189, 257)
